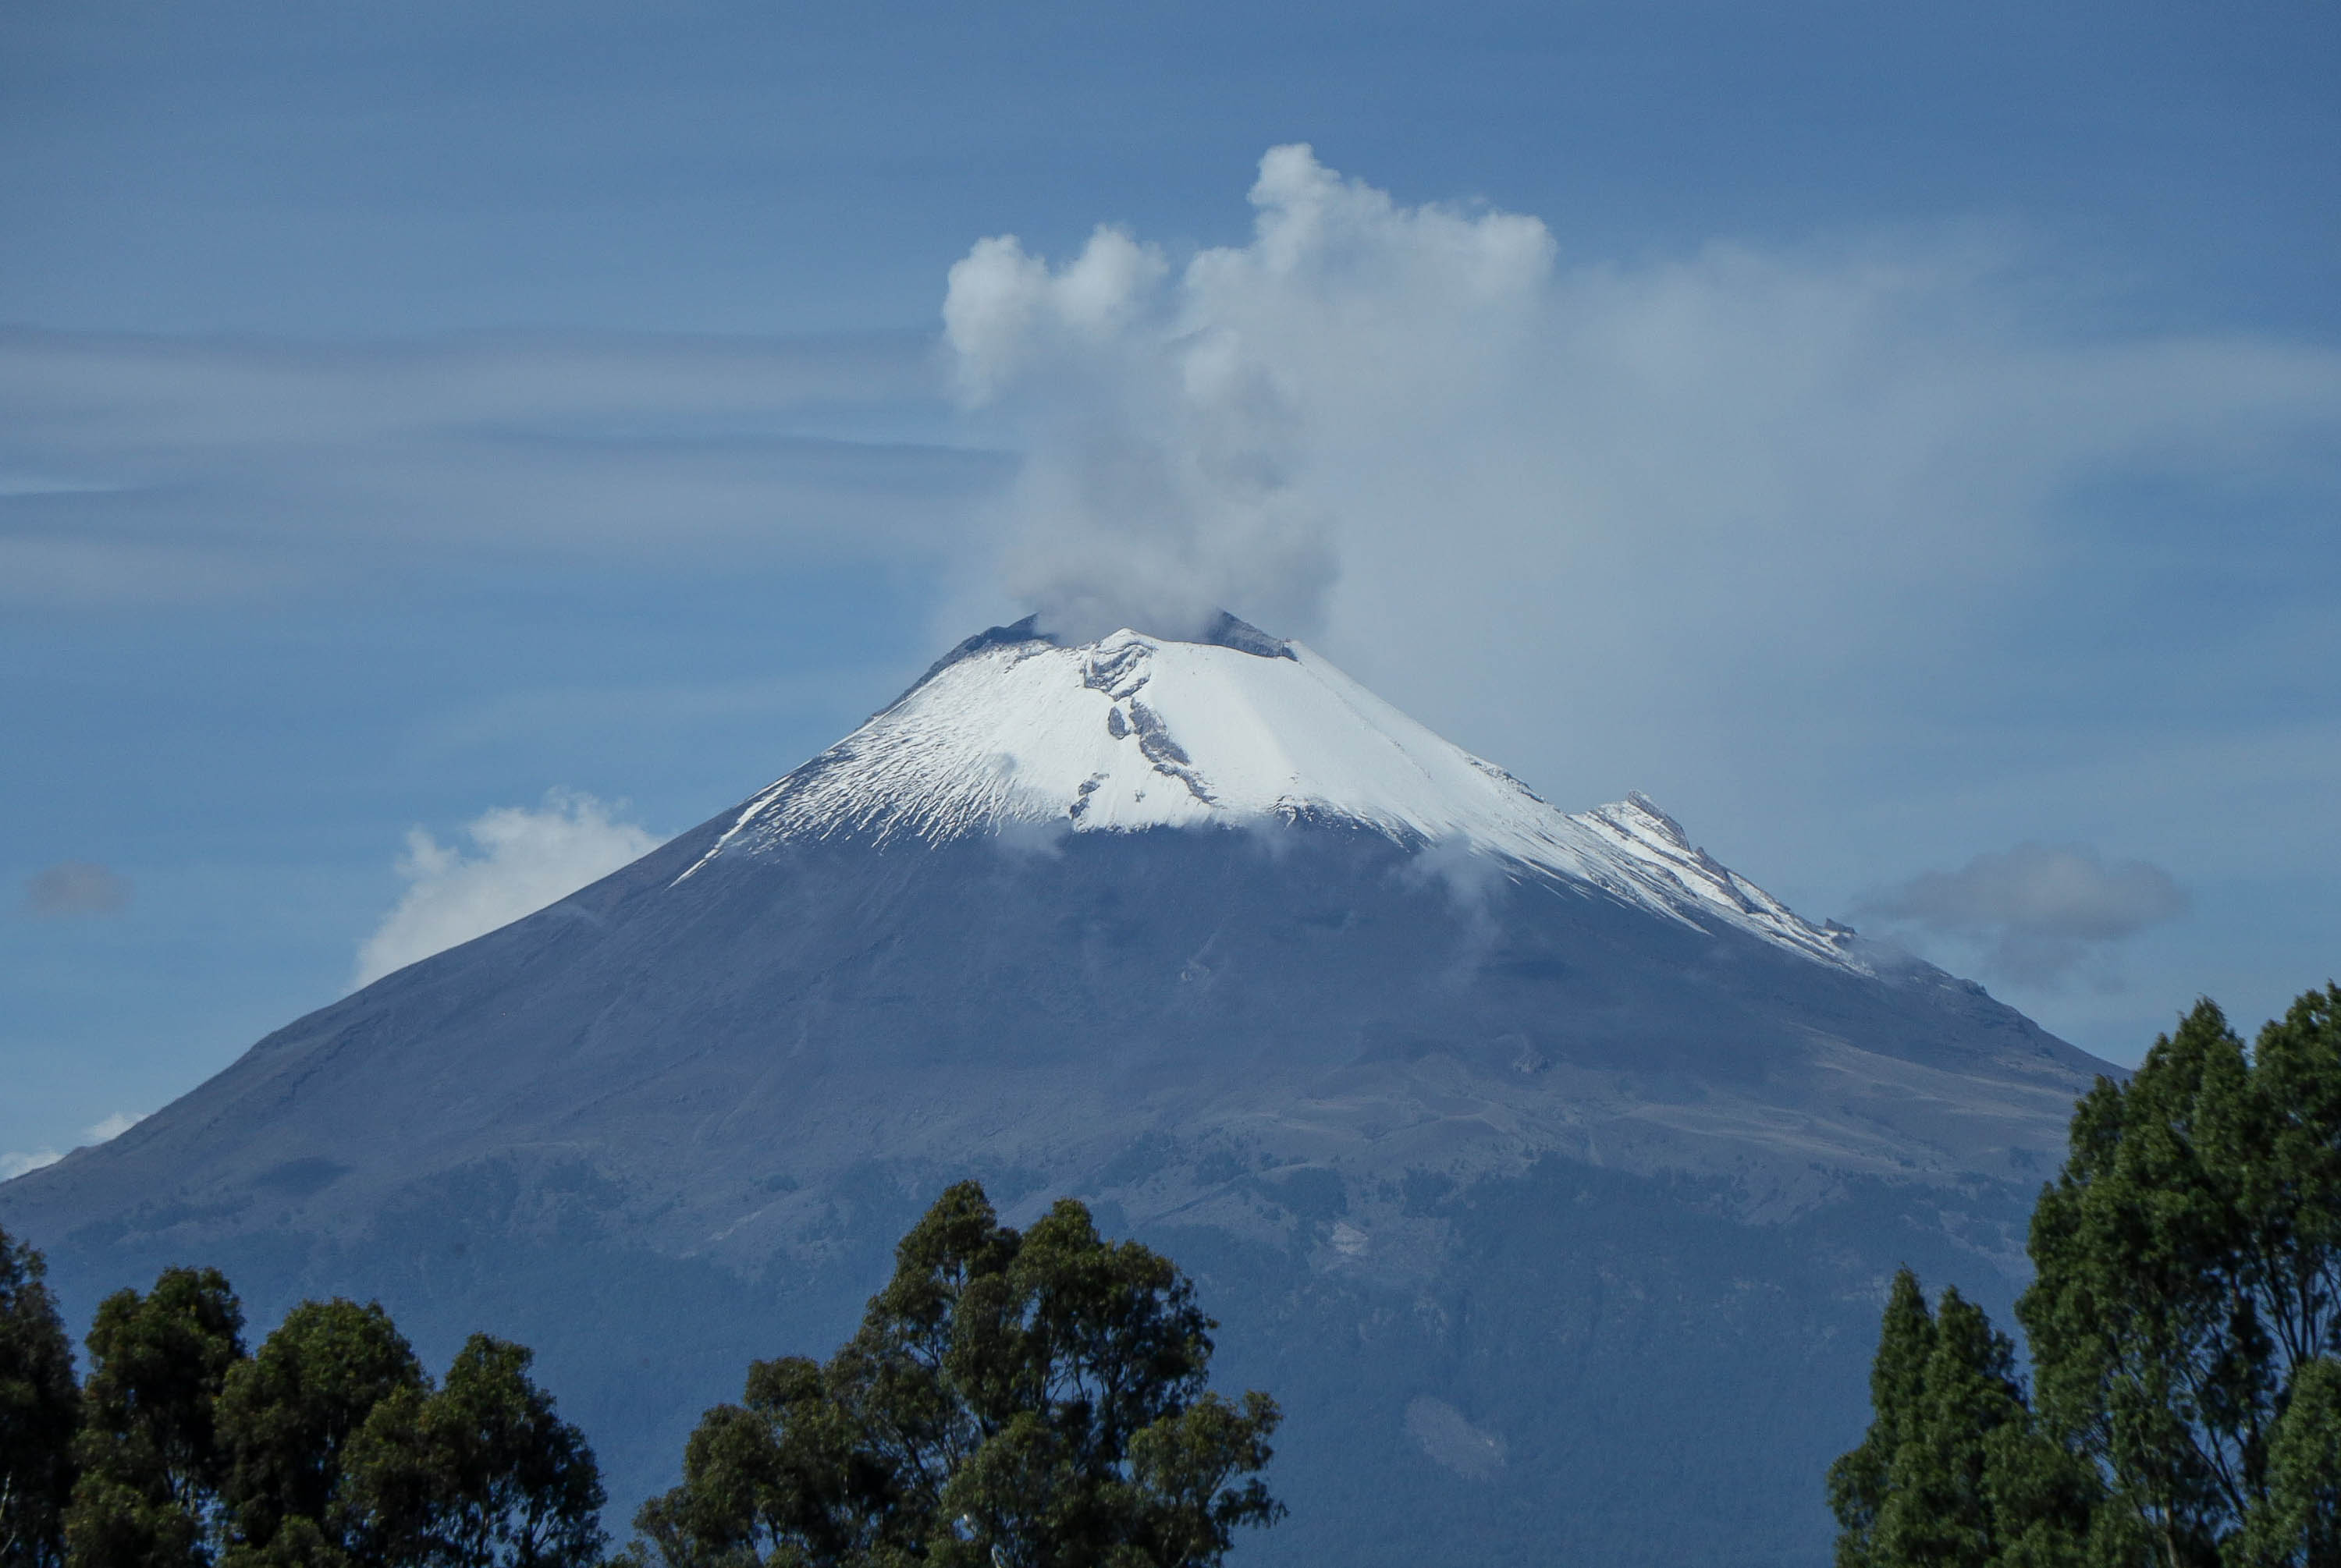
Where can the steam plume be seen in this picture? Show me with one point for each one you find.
(1171, 413)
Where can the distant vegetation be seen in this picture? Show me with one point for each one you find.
(2184, 1331)
(1012, 1401)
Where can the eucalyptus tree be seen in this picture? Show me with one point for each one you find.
(151, 1460)
(40, 1409)
(1032, 1400)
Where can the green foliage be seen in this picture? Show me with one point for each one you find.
(40, 1409)
(327, 1449)
(1952, 1471)
(286, 1416)
(1859, 1483)
(150, 1456)
(2299, 1519)
(481, 1474)
(2183, 1323)
(2189, 1261)
(1012, 1401)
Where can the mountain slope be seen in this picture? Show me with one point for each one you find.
(1534, 1158)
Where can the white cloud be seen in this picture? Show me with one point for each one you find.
(14, 1163)
(111, 1127)
(2040, 911)
(523, 860)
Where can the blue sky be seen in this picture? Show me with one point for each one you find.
(1908, 452)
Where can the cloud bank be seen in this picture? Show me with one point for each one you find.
(522, 860)
(2039, 911)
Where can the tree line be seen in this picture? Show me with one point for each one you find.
(1028, 1399)
(2181, 1407)
(327, 1446)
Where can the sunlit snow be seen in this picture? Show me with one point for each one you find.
(1132, 733)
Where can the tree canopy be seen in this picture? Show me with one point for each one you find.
(2183, 1323)
(328, 1448)
(152, 1464)
(1031, 1400)
(483, 1473)
(40, 1409)
(1954, 1472)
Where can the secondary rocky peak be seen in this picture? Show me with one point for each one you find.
(1641, 806)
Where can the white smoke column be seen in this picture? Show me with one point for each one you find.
(525, 860)
(1172, 418)
(1622, 524)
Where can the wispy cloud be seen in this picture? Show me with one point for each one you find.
(2038, 911)
(212, 468)
(522, 860)
(77, 887)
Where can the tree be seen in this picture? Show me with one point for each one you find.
(39, 1410)
(2189, 1270)
(2299, 1522)
(1952, 1471)
(286, 1416)
(481, 1474)
(1012, 1401)
(1861, 1483)
(2185, 1328)
(329, 1448)
(152, 1466)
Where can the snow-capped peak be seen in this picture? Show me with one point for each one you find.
(1241, 728)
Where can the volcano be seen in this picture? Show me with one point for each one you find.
(1547, 1171)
